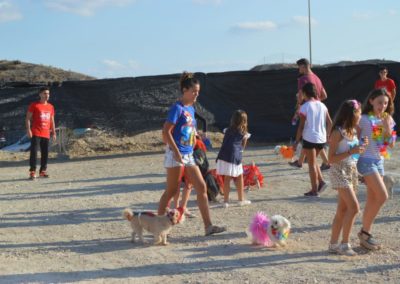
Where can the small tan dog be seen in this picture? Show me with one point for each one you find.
(159, 226)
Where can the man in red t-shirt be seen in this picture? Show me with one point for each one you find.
(386, 83)
(39, 123)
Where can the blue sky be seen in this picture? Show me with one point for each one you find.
(129, 38)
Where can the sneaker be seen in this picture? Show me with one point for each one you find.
(325, 167)
(345, 249)
(334, 248)
(244, 202)
(321, 187)
(295, 164)
(311, 194)
(225, 205)
(32, 175)
(211, 230)
(43, 174)
(367, 241)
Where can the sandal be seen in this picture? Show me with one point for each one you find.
(368, 241)
(32, 175)
(295, 164)
(311, 194)
(190, 214)
(44, 174)
(211, 230)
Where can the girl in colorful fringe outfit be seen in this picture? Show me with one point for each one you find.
(377, 124)
(344, 150)
(229, 159)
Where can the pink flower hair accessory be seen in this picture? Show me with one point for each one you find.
(356, 104)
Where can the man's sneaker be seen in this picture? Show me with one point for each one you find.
(311, 194)
(32, 175)
(325, 167)
(225, 205)
(211, 230)
(321, 187)
(345, 249)
(367, 241)
(43, 174)
(244, 202)
(333, 248)
(295, 164)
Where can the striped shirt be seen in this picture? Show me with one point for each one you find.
(372, 150)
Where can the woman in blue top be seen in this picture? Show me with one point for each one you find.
(179, 133)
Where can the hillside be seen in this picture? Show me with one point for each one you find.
(279, 66)
(12, 71)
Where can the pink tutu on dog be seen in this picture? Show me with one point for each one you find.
(258, 228)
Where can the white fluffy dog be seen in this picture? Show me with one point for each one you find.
(159, 226)
(269, 232)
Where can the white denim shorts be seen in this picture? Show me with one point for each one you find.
(170, 162)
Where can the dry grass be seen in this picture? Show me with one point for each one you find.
(12, 71)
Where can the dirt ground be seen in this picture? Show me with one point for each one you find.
(69, 228)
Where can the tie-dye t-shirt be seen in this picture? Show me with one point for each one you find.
(184, 132)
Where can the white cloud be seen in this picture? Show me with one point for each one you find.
(84, 7)
(256, 26)
(113, 64)
(362, 15)
(392, 12)
(114, 68)
(8, 12)
(303, 20)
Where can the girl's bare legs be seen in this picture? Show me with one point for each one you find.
(376, 197)
(313, 168)
(337, 223)
(324, 157)
(319, 173)
(187, 190)
(349, 198)
(227, 188)
(301, 157)
(173, 180)
(176, 197)
(186, 195)
(322, 154)
(195, 177)
(240, 187)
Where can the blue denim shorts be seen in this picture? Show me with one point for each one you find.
(368, 166)
(170, 162)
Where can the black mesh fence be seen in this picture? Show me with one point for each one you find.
(134, 105)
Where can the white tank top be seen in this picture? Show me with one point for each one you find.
(346, 144)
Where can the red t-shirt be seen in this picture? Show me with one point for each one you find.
(310, 78)
(42, 115)
(388, 84)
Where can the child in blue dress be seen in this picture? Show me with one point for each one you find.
(229, 159)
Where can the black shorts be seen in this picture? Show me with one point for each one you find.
(309, 145)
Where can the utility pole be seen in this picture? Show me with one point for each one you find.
(309, 30)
